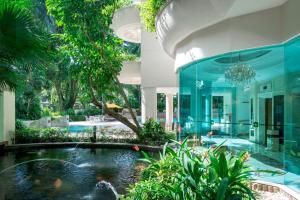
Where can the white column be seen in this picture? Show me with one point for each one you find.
(149, 103)
(169, 111)
(7, 116)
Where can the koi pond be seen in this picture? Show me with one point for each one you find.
(68, 173)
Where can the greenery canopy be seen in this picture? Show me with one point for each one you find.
(22, 43)
(96, 51)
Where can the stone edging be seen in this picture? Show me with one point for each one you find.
(82, 145)
(275, 188)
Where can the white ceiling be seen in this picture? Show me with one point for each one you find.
(126, 24)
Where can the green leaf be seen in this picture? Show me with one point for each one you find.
(212, 175)
(222, 189)
(223, 165)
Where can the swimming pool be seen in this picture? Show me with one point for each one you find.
(80, 128)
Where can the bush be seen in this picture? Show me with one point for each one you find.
(182, 174)
(20, 124)
(153, 133)
(77, 118)
(70, 111)
(90, 111)
(149, 10)
(46, 112)
(41, 135)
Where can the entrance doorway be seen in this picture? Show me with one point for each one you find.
(268, 117)
(279, 116)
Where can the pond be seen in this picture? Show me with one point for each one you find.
(68, 173)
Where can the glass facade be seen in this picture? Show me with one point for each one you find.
(262, 117)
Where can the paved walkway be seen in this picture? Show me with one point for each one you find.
(111, 124)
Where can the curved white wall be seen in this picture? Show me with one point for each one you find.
(223, 32)
(157, 68)
(180, 18)
(126, 24)
(131, 73)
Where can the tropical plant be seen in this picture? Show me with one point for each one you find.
(153, 133)
(183, 174)
(22, 44)
(149, 10)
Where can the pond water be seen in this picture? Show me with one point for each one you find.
(70, 173)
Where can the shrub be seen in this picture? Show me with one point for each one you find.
(149, 10)
(70, 111)
(182, 174)
(46, 112)
(90, 111)
(153, 133)
(40, 135)
(20, 124)
(27, 135)
(77, 118)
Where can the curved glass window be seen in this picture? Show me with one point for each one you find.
(251, 100)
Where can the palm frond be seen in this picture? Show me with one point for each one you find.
(21, 43)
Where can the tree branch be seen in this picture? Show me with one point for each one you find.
(117, 116)
(121, 90)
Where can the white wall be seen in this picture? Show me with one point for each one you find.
(244, 32)
(7, 116)
(224, 26)
(157, 68)
(181, 18)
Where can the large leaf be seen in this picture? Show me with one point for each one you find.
(21, 42)
(223, 165)
(222, 189)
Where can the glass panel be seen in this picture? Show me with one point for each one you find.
(291, 117)
(262, 117)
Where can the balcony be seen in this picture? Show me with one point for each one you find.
(126, 24)
(174, 24)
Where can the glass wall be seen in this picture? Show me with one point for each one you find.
(251, 99)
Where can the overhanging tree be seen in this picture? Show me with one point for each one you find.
(22, 42)
(95, 49)
(62, 74)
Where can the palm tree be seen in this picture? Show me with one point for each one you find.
(22, 44)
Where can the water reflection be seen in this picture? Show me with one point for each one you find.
(67, 174)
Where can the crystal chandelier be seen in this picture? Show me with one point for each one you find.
(240, 74)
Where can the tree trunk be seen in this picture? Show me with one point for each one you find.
(121, 90)
(68, 100)
(71, 95)
(60, 96)
(117, 116)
